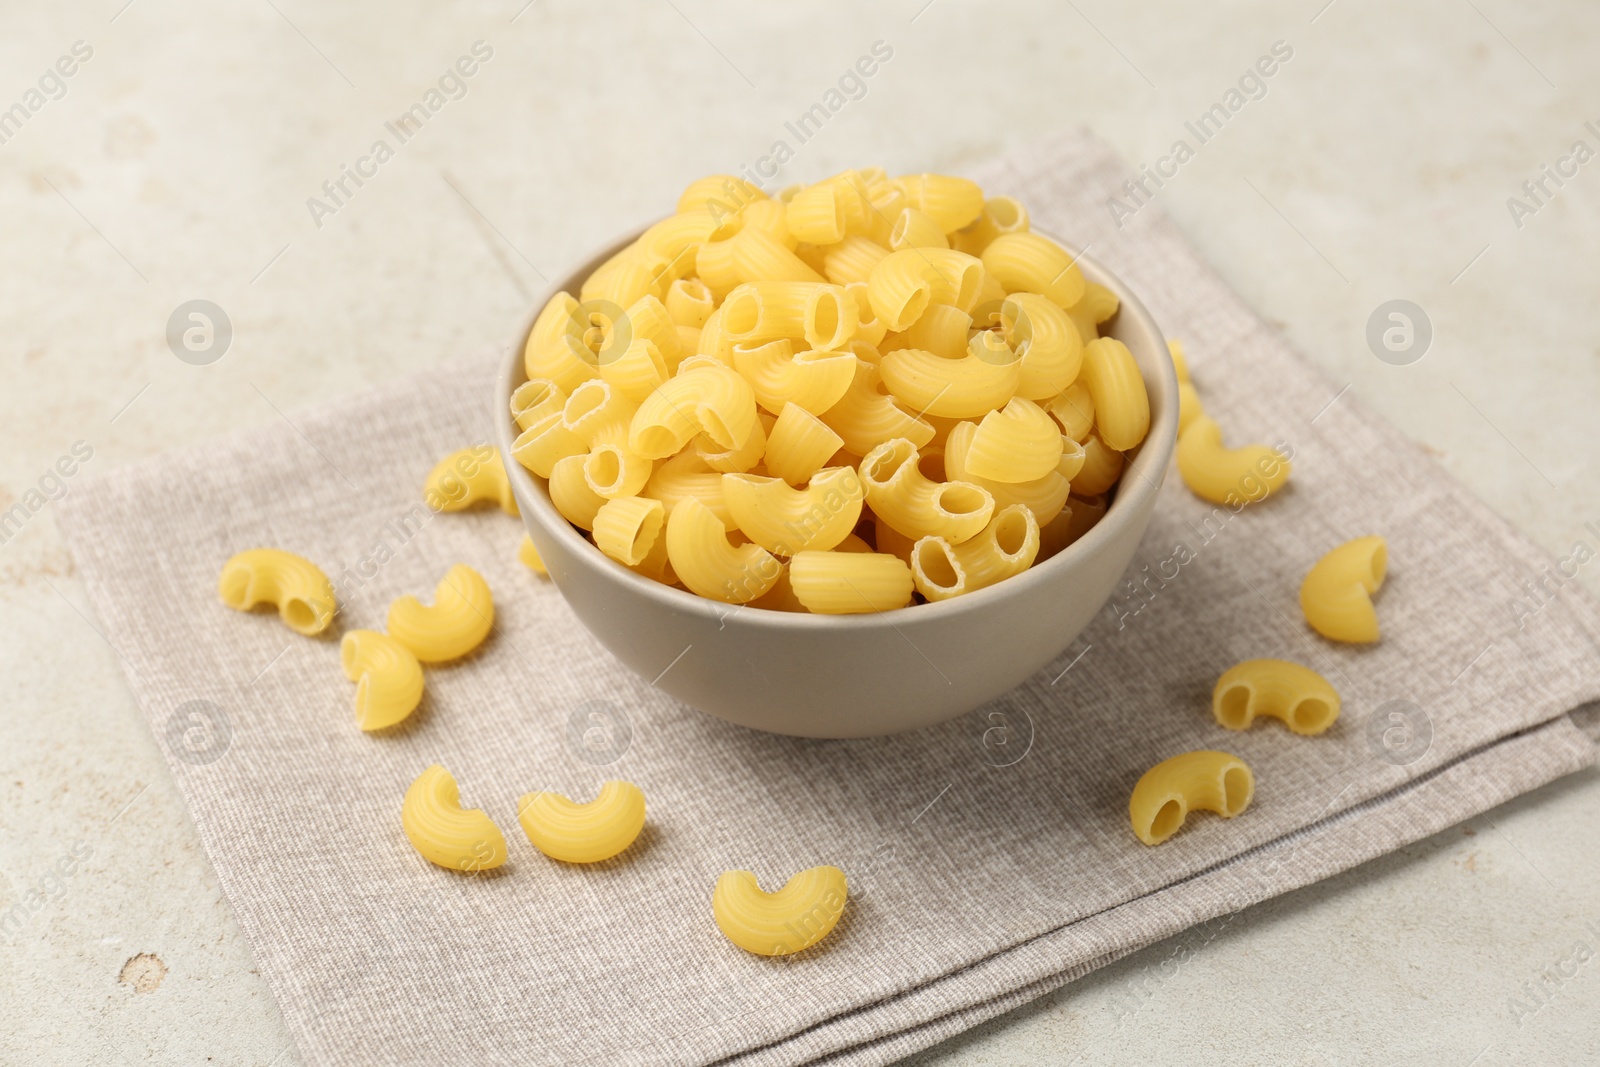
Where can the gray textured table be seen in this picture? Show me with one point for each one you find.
(176, 163)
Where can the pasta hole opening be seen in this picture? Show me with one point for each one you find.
(883, 466)
(603, 469)
(349, 647)
(916, 302)
(741, 313)
(824, 318)
(729, 224)
(585, 400)
(1234, 707)
(694, 289)
(1167, 820)
(1004, 213)
(959, 498)
(299, 614)
(712, 423)
(1236, 790)
(1311, 716)
(936, 565)
(656, 441)
(968, 282)
(644, 538)
(991, 347)
(930, 461)
(1011, 533)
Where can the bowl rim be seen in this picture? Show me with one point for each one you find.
(1147, 468)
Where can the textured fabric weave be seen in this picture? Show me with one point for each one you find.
(990, 859)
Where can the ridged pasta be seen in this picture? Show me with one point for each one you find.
(556, 349)
(718, 193)
(1336, 595)
(915, 229)
(626, 529)
(1000, 214)
(799, 445)
(950, 202)
(583, 833)
(1018, 443)
(1102, 466)
(903, 496)
(1045, 497)
(293, 584)
(758, 257)
(571, 493)
(1227, 475)
(689, 302)
(1049, 351)
(708, 564)
(823, 315)
(850, 583)
(687, 475)
(1121, 405)
(1029, 263)
(778, 375)
(637, 371)
(964, 388)
(444, 833)
(904, 283)
(388, 677)
(461, 616)
(816, 214)
(794, 918)
(864, 416)
(1008, 545)
(713, 400)
(785, 520)
(942, 330)
(535, 400)
(1298, 696)
(1073, 408)
(852, 259)
(544, 444)
(1167, 792)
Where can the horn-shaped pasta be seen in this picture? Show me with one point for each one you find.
(904, 283)
(1029, 263)
(689, 302)
(799, 444)
(757, 257)
(556, 349)
(1207, 781)
(1223, 475)
(637, 371)
(1007, 546)
(743, 455)
(679, 234)
(1045, 497)
(850, 582)
(962, 388)
(1001, 214)
(292, 584)
(708, 564)
(1097, 302)
(915, 229)
(852, 259)
(443, 832)
(824, 315)
(1298, 696)
(594, 408)
(583, 833)
(388, 677)
(656, 565)
(942, 330)
(1050, 352)
(1121, 405)
(544, 444)
(1073, 458)
(1073, 408)
(816, 214)
(950, 202)
(571, 493)
(779, 375)
(1100, 469)
(869, 330)
(1336, 595)
(460, 618)
(785, 520)
(714, 340)
(1018, 443)
(536, 400)
(796, 917)
(626, 529)
(686, 475)
(469, 477)
(710, 399)
(771, 218)
(714, 265)
(905, 498)
(1189, 406)
(648, 318)
(864, 416)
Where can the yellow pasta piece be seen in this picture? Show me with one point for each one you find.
(1075, 520)
(799, 444)
(950, 202)
(1007, 546)
(816, 214)
(785, 520)
(714, 400)
(1179, 362)
(903, 284)
(1073, 458)
(942, 330)
(915, 229)
(1206, 781)
(796, 917)
(865, 415)
(626, 528)
(1121, 405)
(708, 564)
(1098, 303)
(964, 388)
(686, 475)
(292, 584)
(1336, 595)
(779, 375)
(1029, 263)
(850, 583)
(718, 194)
(903, 496)
(460, 618)
(536, 400)
(714, 266)
(824, 315)
(1001, 214)
(1227, 475)
(646, 318)
(781, 596)
(1298, 696)
(1101, 467)
(529, 556)
(444, 833)
(852, 259)
(555, 350)
(1049, 351)
(714, 341)
(679, 235)
(656, 565)
(689, 302)
(571, 493)
(771, 218)
(544, 444)
(1018, 443)
(743, 455)
(595, 411)
(388, 677)
(1045, 496)
(583, 833)
(637, 371)
(757, 257)
(1073, 408)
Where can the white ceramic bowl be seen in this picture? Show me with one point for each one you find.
(853, 675)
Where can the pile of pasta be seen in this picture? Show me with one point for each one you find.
(850, 397)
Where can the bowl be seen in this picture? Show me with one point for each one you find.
(842, 676)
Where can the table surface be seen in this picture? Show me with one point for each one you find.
(177, 161)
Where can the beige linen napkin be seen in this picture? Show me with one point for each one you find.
(990, 859)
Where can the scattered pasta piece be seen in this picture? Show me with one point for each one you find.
(1167, 792)
(388, 677)
(529, 556)
(470, 476)
(460, 618)
(1227, 475)
(444, 833)
(583, 833)
(293, 584)
(1189, 406)
(1336, 595)
(1298, 696)
(1180, 362)
(794, 918)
